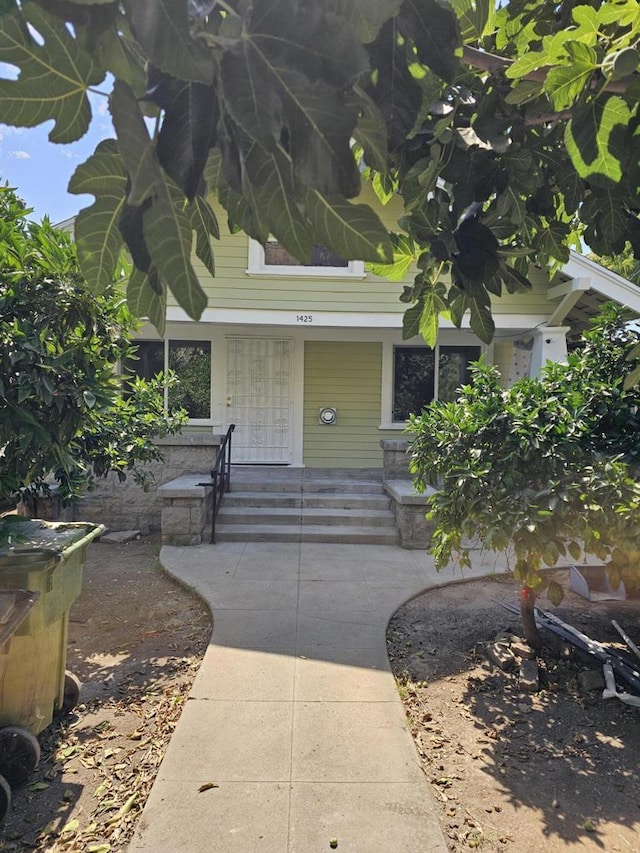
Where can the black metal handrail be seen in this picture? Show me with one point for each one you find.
(220, 478)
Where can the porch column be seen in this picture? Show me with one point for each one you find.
(549, 344)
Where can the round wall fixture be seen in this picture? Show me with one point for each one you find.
(327, 415)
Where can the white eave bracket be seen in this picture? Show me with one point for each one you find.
(569, 293)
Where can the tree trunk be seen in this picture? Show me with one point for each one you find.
(527, 603)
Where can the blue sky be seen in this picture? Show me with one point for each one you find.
(39, 170)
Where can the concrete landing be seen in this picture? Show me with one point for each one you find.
(294, 715)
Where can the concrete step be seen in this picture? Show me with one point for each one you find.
(306, 533)
(286, 499)
(306, 515)
(305, 506)
(317, 486)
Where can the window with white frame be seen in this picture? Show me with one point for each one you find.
(190, 361)
(274, 259)
(421, 374)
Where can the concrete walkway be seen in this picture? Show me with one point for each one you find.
(294, 714)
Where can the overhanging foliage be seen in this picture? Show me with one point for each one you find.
(508, 133)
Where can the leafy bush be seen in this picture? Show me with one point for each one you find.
(545, 469)
(61, 411)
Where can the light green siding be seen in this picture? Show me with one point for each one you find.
(532, 301)
(347, 376)
(234, 288)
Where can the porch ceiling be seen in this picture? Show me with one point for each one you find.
(585, 287)
(579, 317)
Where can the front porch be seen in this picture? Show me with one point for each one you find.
(277, 503)
(281, 504)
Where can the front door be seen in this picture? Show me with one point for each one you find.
(259, 399)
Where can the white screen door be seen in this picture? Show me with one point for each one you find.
(259, 399)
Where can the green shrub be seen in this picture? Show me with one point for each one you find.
(61, 411)
(545, 469)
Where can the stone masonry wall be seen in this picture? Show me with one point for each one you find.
(186, 512)
(395, 458)
(125, 506)
(409, 506)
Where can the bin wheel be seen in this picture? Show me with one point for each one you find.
(5, 798)
(19, 754)
(72, 688)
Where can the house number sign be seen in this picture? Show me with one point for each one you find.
(304, 318)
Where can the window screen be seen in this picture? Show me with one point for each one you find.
(190, 361)
(277, 255)
(415, 383)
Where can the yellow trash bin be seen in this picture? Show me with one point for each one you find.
(20, 749)
(50, 561)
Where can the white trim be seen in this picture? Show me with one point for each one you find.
(606, 282)
(219, 384)
(297, 401)
(566, 288)
(294, 394)
(67, 225)
(187, 334)
(569, 294)
(388, 349)
(338, 319)
(549, 344)
(258, 266)
(167, 340)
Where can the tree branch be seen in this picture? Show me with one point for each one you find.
(545, 118)
(490, 62)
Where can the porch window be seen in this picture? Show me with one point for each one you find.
(274, 259)
(190, 361)
(416, 381)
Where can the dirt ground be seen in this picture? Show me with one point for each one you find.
(136, 639)
(514, 770)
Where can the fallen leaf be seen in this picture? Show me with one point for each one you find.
(207, 786)
(126, 808)
(100, 790)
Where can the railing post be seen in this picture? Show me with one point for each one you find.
(214, 506)
(220, 478)
(228, 459)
